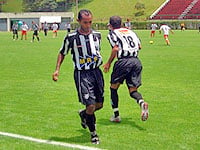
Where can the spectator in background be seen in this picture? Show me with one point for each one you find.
(15, 30)
(45, 28)
(128, 24)
(153, 29)
(24, 28)
(55, 29)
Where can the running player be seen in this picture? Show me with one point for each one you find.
(165, 28)
(15, 31)
(45, 28)
(125, 45)
(84, 45)
(35, 29)
(24, 28)
(55, 29)
(153, 29)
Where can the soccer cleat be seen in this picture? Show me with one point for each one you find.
(145, 112)
(83, 120)
(95, 139)
(115, 119)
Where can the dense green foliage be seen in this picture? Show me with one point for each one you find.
(32, 104)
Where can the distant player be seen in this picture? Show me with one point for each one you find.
(128, 24)
(165, 28)
(182, 26)
(15, 31)
(55, 29)
(125, 45)
(68, 25)
(199, 28)
(45, 28)
(24, 29)
(153, 29)
(35, 29)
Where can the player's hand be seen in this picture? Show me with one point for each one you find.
(106, 67)
(55, 76)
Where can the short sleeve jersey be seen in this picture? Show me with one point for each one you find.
(126, 40)
(85, 49)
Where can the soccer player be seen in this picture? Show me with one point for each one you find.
(153, 29)
(45, 28)
(68, 25)
(182, 26)
(128, 24)
(84, 45)
(15, 31)
(24, 28)
(165, 28)
(125, 45)
(55, 29)
(35, 29)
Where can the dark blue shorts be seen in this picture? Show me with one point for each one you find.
(128, 69)
(90, 86)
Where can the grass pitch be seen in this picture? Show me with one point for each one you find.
(31, 104)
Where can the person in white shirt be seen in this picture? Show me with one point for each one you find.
(165, 28)
(24, 29)
(153, 29)
(55, 29)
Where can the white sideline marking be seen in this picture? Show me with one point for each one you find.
(28, 138)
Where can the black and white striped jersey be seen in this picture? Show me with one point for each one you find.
(35, 27)
(85, 49)
(126, 40)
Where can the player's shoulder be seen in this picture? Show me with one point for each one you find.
(96, 33)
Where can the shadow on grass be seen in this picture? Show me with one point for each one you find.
(125, 121)
(84, 138)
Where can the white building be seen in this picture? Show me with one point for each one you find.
(7, 19)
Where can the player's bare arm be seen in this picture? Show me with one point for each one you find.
(59, 62)
(110, 60)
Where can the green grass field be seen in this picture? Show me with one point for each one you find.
(31, 104)
(12, 6)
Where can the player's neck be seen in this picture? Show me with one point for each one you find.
(84, 32)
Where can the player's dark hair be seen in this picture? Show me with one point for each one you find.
(115, 21)
(85, 12)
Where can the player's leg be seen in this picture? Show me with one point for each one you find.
(115, 102)
(117, 77)
(25, 35)
(140, 101)
(13, 35)
(37, 36)
(133, 81)
(22, 34)
(33, 37)
(16, 35)
(167, 39)
(85, 87)
(90, 120)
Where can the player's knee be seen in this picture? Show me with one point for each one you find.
(90, 109)
(98, 106)
(136, 95)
